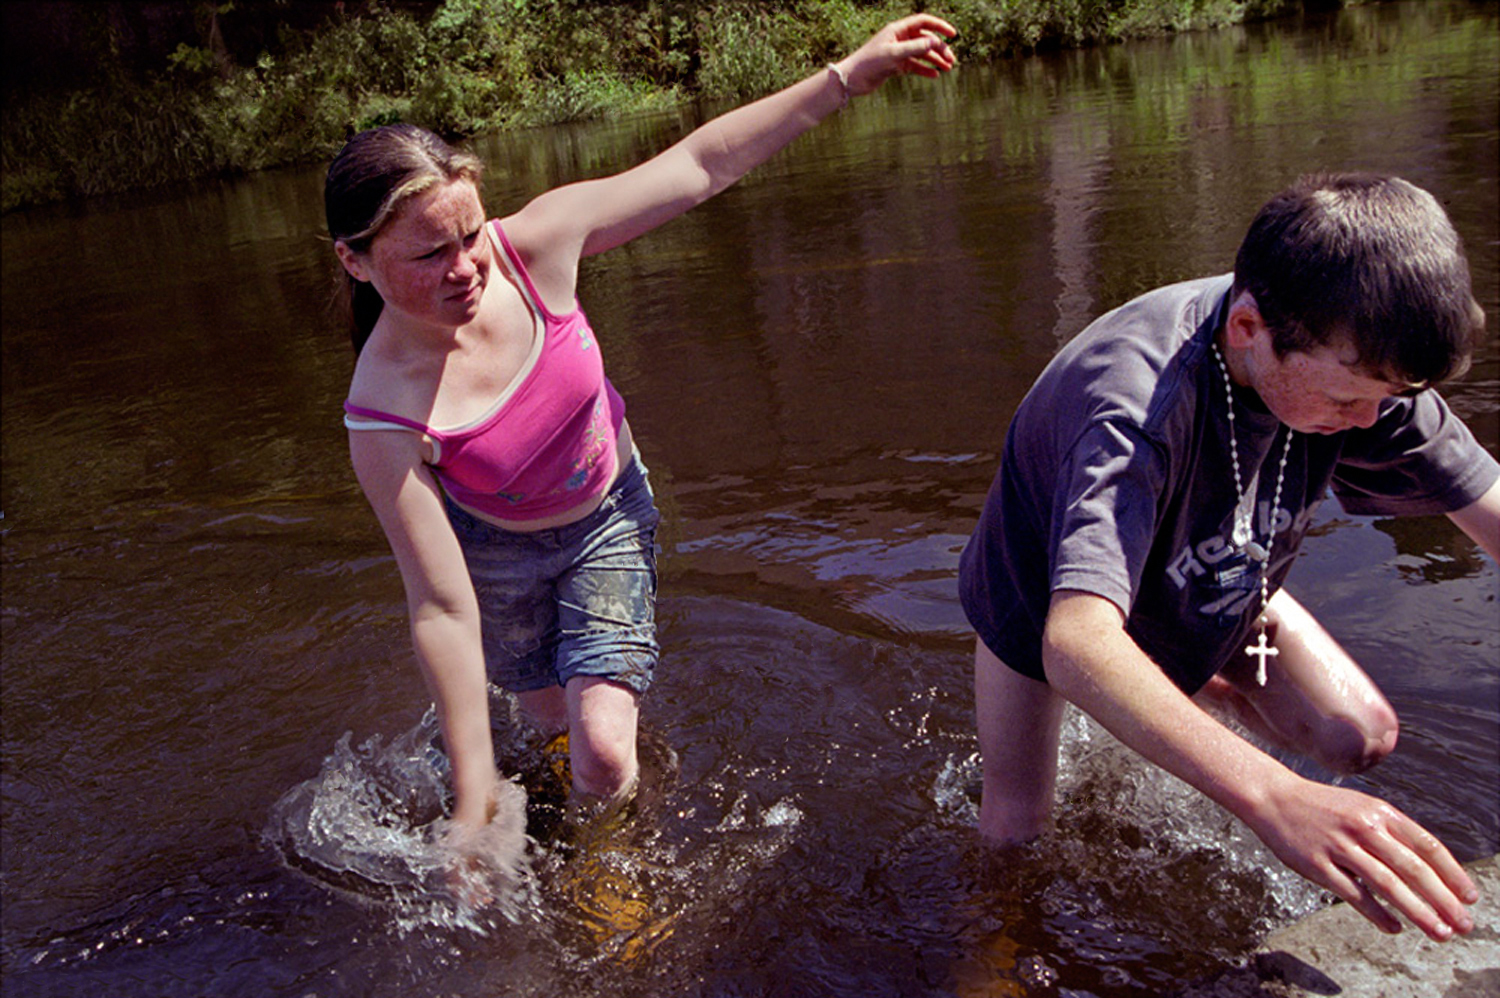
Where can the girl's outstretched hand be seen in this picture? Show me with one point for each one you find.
(916, 44)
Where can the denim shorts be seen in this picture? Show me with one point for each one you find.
(576, 600)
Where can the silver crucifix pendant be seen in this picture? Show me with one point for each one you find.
(1262, 650)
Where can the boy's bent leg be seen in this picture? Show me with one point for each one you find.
(1019, 724)
(603, 717)
(1317, 700)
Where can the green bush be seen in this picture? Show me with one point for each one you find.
(745, 52)
(476, 65)
(593, 94)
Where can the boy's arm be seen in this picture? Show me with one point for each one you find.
(1356, 846)
(1481, 521)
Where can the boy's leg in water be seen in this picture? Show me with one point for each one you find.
(1316, 701)
(603, 717)
(1019, 724)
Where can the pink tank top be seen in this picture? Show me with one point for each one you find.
(549, 443)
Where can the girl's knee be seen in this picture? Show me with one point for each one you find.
(602, 722)
(603, 767)
(603, 758)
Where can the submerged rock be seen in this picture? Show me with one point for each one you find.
(1336, 952)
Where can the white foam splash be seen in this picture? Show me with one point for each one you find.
(1123, 822)
(371, 825)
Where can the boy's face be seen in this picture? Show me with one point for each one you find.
(1322, 390)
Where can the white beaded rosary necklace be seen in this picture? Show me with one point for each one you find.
(1242, 529)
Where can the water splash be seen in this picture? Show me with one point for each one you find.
(1125, 831)
(595, 887)
(370, 826)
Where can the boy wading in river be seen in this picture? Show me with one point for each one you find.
(1155, 487)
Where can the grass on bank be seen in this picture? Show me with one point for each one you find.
(480, 65)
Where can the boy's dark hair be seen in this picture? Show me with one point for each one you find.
(1369, 257)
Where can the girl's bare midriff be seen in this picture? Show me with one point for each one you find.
(624, 451)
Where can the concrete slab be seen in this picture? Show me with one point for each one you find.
(1337, 952)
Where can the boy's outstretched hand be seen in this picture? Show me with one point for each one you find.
(1365, 851)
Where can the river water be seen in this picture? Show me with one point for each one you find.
(216, 776)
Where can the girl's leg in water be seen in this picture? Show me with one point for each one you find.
(547, 708)
(603, 717)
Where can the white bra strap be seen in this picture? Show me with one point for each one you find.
(362, 423)
(510, 267)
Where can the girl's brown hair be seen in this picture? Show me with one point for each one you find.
(368, 182)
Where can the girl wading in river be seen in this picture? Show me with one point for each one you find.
(488, 440)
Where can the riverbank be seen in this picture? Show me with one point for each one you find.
(468, 66)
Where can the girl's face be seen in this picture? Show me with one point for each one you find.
(431, 262)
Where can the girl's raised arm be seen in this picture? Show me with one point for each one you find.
(558, 227)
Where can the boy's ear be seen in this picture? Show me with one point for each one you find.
(1244, 324)
(350, 260)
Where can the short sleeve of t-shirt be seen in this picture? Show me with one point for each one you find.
(1104, 515)
(1418, 459)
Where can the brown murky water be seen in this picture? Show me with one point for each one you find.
(819, 366)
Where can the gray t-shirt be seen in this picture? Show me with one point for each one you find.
(1116, 480)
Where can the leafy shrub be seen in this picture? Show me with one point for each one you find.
(474, 65)
(746, 51)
